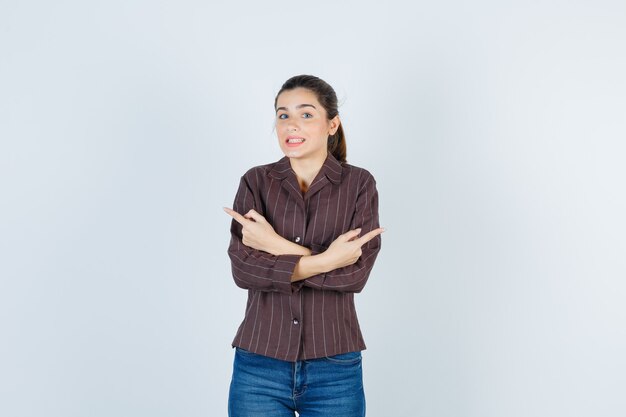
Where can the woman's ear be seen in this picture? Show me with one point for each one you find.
(334, 125)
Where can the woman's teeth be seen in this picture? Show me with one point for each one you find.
(295, 140)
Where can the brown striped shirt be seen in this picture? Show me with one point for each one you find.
(314, 317)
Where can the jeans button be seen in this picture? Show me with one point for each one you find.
(295, 321)
(297, 239)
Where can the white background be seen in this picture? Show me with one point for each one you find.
(496, 132)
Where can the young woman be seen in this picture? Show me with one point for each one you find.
(304, 238)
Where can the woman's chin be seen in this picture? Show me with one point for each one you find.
(292, 153)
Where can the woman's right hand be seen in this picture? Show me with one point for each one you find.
(346, 249)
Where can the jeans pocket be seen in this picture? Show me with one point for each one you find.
(347, 358)
(244, 351)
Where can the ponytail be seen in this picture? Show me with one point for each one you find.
(337, 145)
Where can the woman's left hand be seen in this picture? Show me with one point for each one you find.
(257, 233)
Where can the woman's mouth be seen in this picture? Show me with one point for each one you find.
(291, 142)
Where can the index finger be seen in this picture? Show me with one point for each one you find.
(369, 236)
(238, 217)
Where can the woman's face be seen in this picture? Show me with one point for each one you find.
(302, 126)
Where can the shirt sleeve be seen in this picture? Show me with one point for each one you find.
(352, 278)
(253, 268)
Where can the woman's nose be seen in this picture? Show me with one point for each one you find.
(292, 126)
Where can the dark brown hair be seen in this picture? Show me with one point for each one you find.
(328, 99)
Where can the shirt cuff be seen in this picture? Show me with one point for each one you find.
(316, 281)
(286, 264)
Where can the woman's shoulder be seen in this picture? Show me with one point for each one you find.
(362, 173)
(264, 169)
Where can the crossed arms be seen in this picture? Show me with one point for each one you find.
(262, 259)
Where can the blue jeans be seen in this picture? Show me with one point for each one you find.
(324, 387)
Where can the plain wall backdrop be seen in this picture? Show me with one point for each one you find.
(125, 126)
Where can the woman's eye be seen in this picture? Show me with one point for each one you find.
(305, 115)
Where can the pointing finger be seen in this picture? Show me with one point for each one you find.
(351, 234)
(254, 215)
(238, 217)
(370, 235)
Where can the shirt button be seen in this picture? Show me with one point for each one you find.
(297, 239)
(295, 321)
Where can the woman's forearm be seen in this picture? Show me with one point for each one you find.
(283, 246)
(345, 250)
(308, 266)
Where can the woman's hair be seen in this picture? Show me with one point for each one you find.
(328, 99)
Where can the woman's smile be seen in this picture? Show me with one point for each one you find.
(293, 141)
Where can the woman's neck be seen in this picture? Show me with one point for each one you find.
(306, 170)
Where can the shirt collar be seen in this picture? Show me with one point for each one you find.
(331, 169)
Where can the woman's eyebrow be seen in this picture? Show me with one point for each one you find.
(299, 106)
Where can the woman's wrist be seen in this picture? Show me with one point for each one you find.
(309, 266)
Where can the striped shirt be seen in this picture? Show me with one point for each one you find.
(316, 316)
